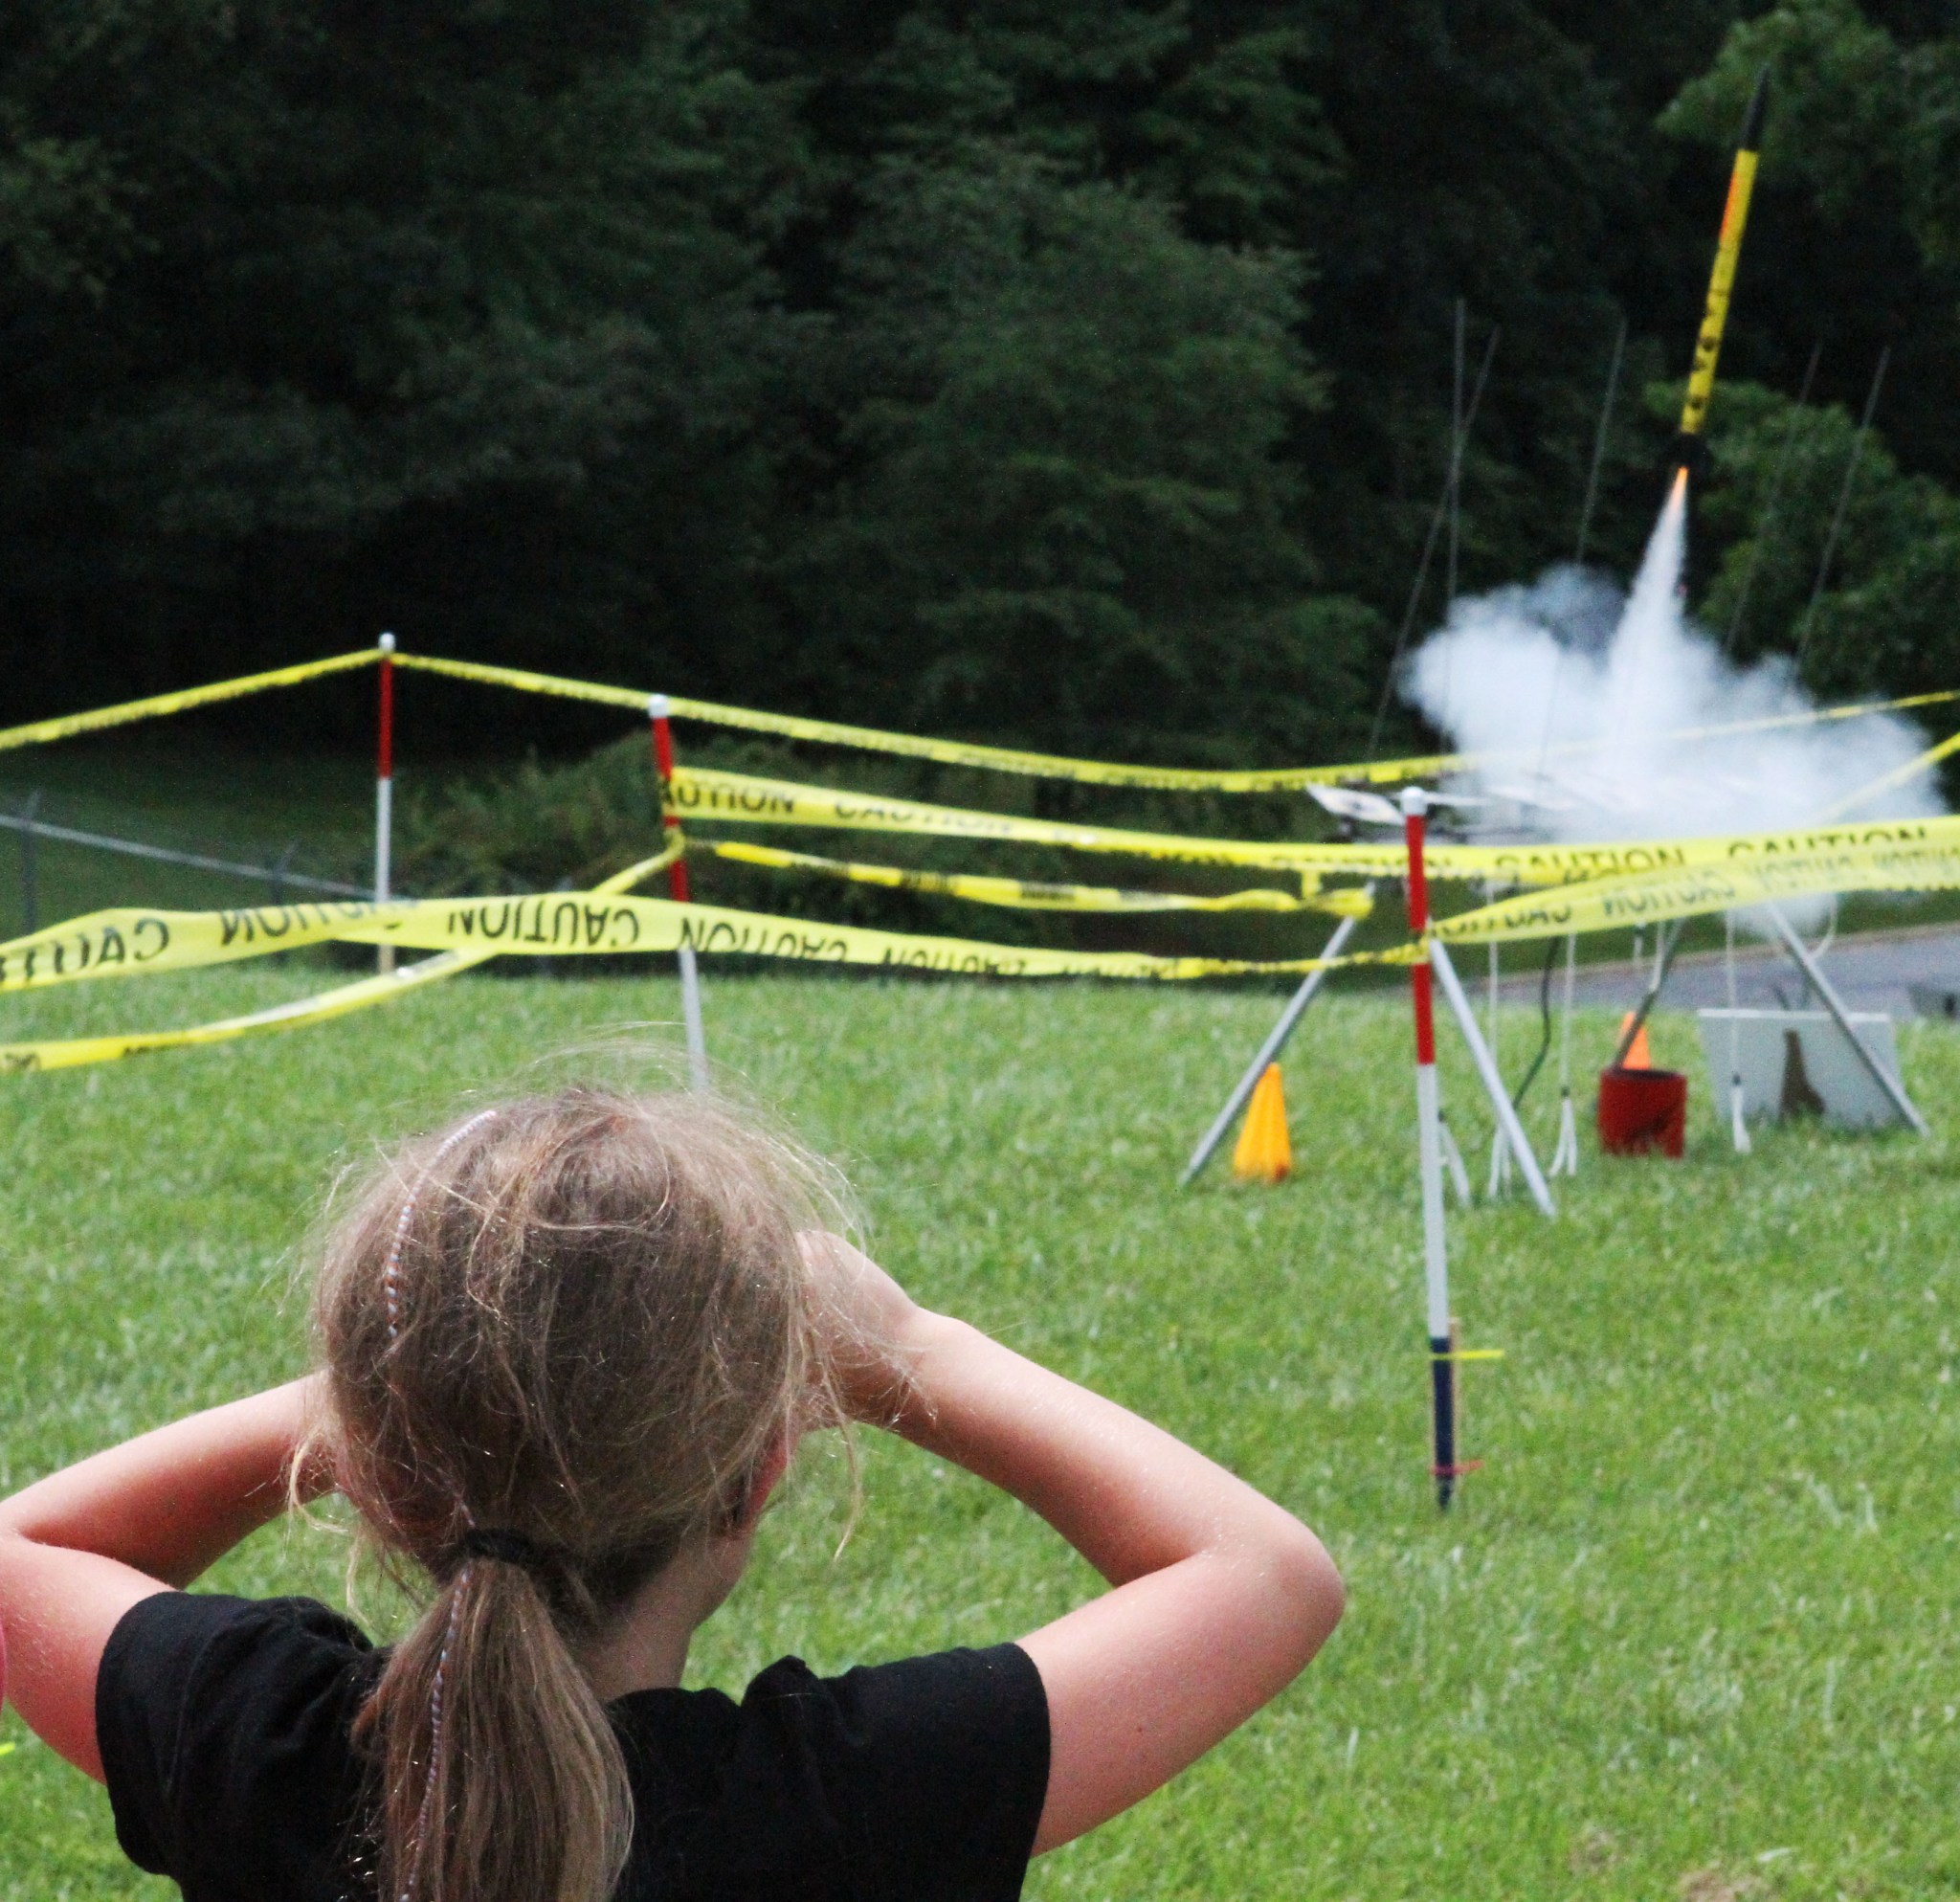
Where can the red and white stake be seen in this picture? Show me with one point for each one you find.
(1435, 1261)
(383, 791)
(658, 710)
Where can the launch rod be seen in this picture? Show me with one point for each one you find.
(1636, 1020)
(1735, 216)
(1435, 1261)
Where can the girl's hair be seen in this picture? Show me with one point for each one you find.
(561, 1338)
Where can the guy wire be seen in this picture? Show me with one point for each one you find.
(1455, 480)
(1455, 455)
(1435, 529)
(1871, 404)
(1599, 438)
(1599, 435)
(1768, 520)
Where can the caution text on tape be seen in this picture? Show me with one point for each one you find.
(1033, 895)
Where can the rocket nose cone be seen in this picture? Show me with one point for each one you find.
(1752, 120)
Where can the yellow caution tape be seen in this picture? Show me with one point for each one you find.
(740, 799)
(1471, 1353)
(1899, 775)
(556, 686)
(128, 942)
(66, 727)
(1926, 860)
(71, 1052)
(743, 799)
(1546, 864)
(67, 1053)
(947, 752)
(920, 746)
(1091, 772)
(1918, 856)
(1029, 895)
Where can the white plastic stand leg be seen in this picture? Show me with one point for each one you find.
(1268, 1053)
(1500, 1184)
(1827, 994)
(1564, 1158)
(1453, 1157)
(1493, 1083)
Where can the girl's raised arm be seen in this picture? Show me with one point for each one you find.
(79, 1547)
(1219, 1597)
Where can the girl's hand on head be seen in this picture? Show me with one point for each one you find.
(867, 1320)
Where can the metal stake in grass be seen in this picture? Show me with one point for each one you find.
(659, 707)
(1435, 1257)
(384, 790)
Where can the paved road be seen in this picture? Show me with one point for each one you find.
(1871, 973)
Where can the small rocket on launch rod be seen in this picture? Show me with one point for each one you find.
(1688, 448)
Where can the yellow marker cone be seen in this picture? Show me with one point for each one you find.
(1264, 1152)
(1637, 1057)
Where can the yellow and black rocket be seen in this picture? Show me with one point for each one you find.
(1688, 448)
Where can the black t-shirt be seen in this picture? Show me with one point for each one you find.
(224, 1726)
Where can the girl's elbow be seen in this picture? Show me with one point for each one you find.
(1310, 1585)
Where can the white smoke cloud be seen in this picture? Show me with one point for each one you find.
(1571, 663)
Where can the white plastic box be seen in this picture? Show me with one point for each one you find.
(1797, 1062)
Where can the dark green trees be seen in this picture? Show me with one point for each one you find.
(1077, 372)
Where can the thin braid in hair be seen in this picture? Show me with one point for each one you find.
(461, 1585)
(390, 1275)
(390, 1279)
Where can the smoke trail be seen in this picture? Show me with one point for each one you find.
(1569, 661)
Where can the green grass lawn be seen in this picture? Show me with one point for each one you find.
(1689, 1632)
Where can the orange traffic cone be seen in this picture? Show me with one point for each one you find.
(1636, 1057)
(1264, 1153)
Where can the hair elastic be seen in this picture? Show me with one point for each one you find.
(506, 1547)
(390, 1275)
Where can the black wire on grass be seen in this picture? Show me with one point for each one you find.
(1544, 1023)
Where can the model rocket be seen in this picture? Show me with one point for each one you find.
(1689, 451)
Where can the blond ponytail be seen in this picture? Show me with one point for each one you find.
(501, 1779)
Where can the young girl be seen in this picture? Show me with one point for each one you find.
(566, 1348)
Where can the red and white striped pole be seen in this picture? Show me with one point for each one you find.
(383, 792)
(1436, 1261)
(658, 708)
